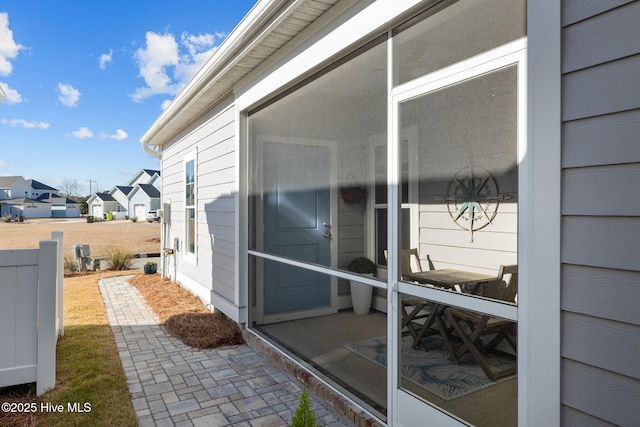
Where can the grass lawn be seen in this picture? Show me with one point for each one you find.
(88, 366)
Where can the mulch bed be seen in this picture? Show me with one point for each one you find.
(26, 394)
(184, 314)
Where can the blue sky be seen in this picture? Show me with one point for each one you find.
(85, 79)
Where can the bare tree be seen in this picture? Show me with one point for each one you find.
(70, 187)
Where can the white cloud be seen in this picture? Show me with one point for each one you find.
(159, 53)
(82, 133)
(3, 163)
(196, 44)
(69, 95)
(25, 124)
(120, 135)
(167, 66)
(13, 97)
(165, 104)
(9, 49)
(105, 58)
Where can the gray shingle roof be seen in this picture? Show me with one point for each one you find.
(49, 198)
(125, 189)
(37, 185)
(151, 171)
(105, 197)
(8, 181)
(150, 190)
(19, 201)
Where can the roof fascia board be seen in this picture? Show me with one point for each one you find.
(299, 40)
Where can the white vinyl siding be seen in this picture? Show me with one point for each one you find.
(601, 213)
(213, 137)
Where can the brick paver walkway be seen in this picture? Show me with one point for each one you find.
(172, 384)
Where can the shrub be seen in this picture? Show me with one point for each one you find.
(362, 265)
(304, 416)
(70, 264)
(134, 219)
(120, 259)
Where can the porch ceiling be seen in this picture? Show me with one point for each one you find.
(265, 29)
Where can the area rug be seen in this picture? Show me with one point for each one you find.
(432, 369)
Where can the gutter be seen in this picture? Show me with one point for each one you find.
(228, 53)
(152, 150)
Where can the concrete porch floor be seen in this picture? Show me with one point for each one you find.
(320, 342)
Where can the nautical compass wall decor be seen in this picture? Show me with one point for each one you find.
(473, 198)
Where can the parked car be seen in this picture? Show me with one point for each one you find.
(153, 216)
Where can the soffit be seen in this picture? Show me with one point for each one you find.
(272, 26)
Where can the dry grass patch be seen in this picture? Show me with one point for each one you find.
(184, 315)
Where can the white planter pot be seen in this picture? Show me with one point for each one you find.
(361, 297)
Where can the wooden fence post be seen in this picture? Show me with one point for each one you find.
(59, 236)
(47, 337)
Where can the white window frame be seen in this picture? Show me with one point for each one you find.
(411, 204)
(513, 53)
(539, 231)
(190, 257)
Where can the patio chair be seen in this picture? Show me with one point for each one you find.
(413, 309)
(471, 327)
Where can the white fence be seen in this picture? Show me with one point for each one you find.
(31, 313)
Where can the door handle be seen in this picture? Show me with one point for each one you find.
(326, 224)
(327, 236)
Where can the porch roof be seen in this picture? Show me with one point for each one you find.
(268, 26)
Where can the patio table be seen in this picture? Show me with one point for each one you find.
(458, 280)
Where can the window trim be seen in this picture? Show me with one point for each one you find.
(411, 204)
(539, 308)
(190, 257)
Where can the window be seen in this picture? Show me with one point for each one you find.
(379, 203)
(190, 207)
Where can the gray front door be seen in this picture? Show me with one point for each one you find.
(296, 207)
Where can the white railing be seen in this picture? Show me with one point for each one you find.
(31, 313)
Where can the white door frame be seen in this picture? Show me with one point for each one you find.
(258, 311)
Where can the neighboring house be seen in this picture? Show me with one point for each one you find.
(144, 188)
(14, 187)
(142, 199)
(60, 206)
(481, 133)
(101, 203)
(39, 189)
(25, 207)
(144, 176)
(121, 194)
(33, 199)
